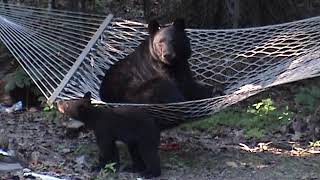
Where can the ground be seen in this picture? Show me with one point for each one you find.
(39, 138)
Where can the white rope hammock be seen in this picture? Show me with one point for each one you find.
(67, 54)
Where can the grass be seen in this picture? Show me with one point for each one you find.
(256, 120)
(267, 115)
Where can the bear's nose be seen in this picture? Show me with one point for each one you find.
(168, 56)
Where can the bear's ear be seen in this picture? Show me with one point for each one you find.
(153, 26)
(87, 95)
(179, 24)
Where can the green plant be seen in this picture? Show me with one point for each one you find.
(20, 79)
(100, 6)
(266, 116)
(17, 79)
(264, 107)
(308, 97)
(228, 117)
(256, 120)
(108, 172)
(51, 113)
(48, 108)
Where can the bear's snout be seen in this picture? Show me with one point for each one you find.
(168, 58)
(60, 106)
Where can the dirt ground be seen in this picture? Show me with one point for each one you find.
(41, 142)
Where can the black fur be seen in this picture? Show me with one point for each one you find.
(161, 60)
(156, 90)
(130, 125)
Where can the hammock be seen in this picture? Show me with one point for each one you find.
(67, 54)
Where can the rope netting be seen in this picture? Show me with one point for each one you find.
(67, 54)
(46, 43)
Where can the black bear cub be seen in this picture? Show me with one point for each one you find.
(131, 125)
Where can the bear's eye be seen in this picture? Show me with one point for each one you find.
(161, 40)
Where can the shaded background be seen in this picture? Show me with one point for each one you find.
(198, 13)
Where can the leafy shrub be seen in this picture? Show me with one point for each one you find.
(21, 87)
(256, 120)
(100, 5)
(19, 78)
(308, 98)
(108, 172)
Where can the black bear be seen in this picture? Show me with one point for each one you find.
(163, 55)
(131, 125)
(157, 90)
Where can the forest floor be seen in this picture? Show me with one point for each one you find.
(39, 139)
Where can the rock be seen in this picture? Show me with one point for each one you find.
(35, 157)
(73, 127)
(232, 164)
(81, 160)
(33, 109)
(74, 124)
(297, 136)
(66, 150)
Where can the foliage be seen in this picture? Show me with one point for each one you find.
(17, 79)
(108, 172)
(2, 46)
(43, 103)
(51, 113)
(48, 108)
(256, 120)
(266, 112)
(262, 108)
(20, 79)
(308, 98)
(255, 133)
(100, 5)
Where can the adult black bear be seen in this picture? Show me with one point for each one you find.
(163, 55)
(130, 125)
(157, 90)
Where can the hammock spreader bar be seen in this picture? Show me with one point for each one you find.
(80, 59)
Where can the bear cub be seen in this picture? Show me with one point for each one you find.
(131, 125)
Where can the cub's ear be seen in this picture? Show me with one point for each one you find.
(153, 27)
(179, 24)
(87, 95)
